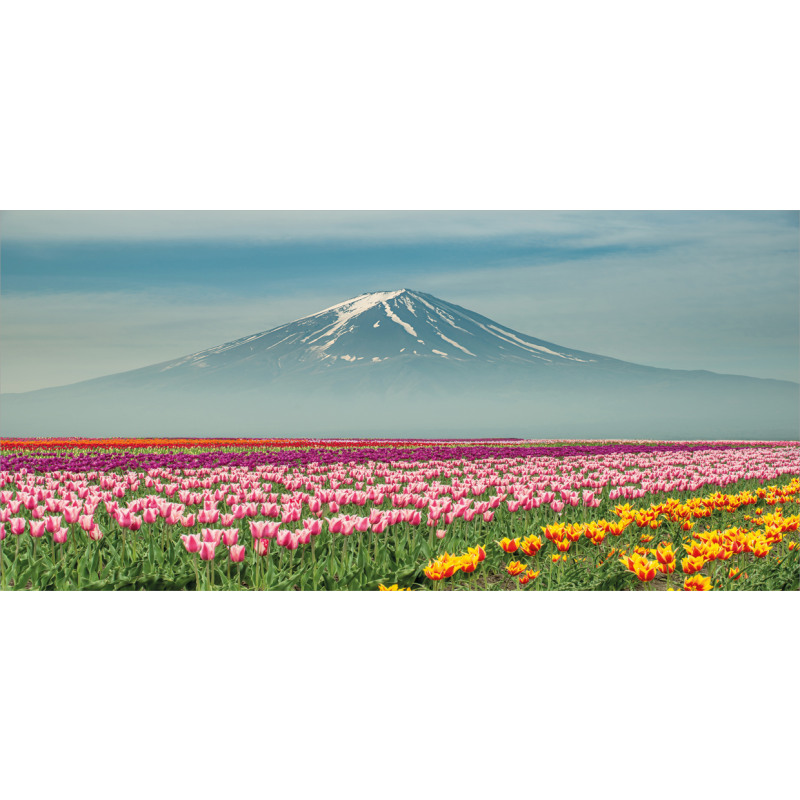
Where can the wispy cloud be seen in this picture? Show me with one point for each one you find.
(590, 228)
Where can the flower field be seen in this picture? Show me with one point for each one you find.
(294, 514)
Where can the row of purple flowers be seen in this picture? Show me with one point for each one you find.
(105, 461)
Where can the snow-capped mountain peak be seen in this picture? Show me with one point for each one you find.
(400, 324)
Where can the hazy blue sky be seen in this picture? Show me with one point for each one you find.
(86, 294)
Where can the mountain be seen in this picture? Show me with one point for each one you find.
(405, 363)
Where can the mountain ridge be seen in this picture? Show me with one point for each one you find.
(410, 360)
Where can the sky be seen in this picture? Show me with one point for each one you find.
(85, 294)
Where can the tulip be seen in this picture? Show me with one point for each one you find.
(191, 542)
(237, 552)
(207, 551)
(230, 536)
(60, 536)
(261, 546)
(37, 529)
(86, 521)
(18, 525)
(52, 524)
(2, 531)
(95, 533)
(531, 545)
(697, 583)
(440, 534)
(478, 551)
(211, 535)
(515, 567)
(509, 545)
(645, 570)
(692, 564)
(469, 562)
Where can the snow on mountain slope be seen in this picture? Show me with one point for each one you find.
(385, 326)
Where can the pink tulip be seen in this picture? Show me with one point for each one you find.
(150, 515)
(362, 524)
(191, 541)
(135, 523)
(237, 552)
(37, 512)
(283, 536)
(335, 525)
(207, 551)
(293, 542)
(271, 530)
(187, 521)
(37, 529)
(226, 520)
(557, 506)
(18, 525)
(95, 534)
(333, 507)
(211, 535)
(488, 516)
(5, 514)
(60, 536)
(71, 514)
(440, 534)
(257, 529)
(230, 536)
(261, 546)
(86, 521)
(2, 531)
(52, 524)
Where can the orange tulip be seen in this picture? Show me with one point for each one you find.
(664, 554)
(531, 545)
(692, 564)
(735, 573)
(761, 548)
(564, 545)
(515, 567)
(478, 551)
(533, 575)
(469, 562)
(645, 570)
(509, 545)
(697, 583)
